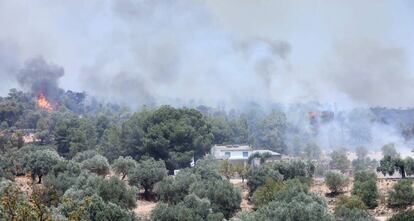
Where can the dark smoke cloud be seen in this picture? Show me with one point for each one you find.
(39, 76)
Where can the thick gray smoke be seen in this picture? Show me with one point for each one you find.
(237, 50)
(38, 76)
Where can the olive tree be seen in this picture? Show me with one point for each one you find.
(97, 164)
(365, 187)
(223, 196)
(146, 174)
(123, 165)
(402, 194)
(336, 182)
(41, 162)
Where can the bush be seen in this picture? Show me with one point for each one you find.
(336, 182)
(192, 208)
(266, 193)
(97, 164)
(117, 191)
(365, 187)
(403, 216)
(402, 194)
(257, 176)
(351, 209)
(294, 203)
(223, 196)
(172, 190)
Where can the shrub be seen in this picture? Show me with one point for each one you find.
(192, 208)
(267, 192)
(365, 187)
(257, 176)
(223, 196)
(173, 189)
(335, 181)
(402, 194)
(293, 203)
(403, 216)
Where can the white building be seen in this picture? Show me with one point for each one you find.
(239, 153)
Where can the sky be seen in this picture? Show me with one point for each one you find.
(351, 53)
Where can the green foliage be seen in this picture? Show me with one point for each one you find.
(147, 173)
(257, 176)
(226, 169)
(97, 164)
(291, 169)
(350, 209)
(365, 187)
(403, 216)
(351, 202)
(312, 151)
(267, 193)
(192, 208)
(402, 194)
(40, 162)
(339, 160)
(223, 196)
(123, 165)
(207, 168)
(176, 135)
(336, 182)
(172, 190)
(94, 208)
(117, 191)
(294, 203)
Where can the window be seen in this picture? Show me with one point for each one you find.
(245, 154)
(227, 154)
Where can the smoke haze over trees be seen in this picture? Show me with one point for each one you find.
(147, 52)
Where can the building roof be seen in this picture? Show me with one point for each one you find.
(233, 147)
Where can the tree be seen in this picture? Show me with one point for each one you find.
(312, 151)
(40, 162)
(176, 136)
(147, 172)
(336, 182)
(339, 160)
(223, 196)
(388, 165)
(365, 187)
(271, 131)
(389, 150)
(402, 194)
(226, 169)
(97, 164)
(123, 165)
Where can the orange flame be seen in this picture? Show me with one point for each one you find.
(44, 103)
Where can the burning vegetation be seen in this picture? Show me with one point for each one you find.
(44, 103)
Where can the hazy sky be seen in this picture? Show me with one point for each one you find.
(146, 51)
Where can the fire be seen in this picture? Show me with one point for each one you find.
(44, 103)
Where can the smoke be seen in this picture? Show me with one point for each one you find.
(262, 51)
(39, 76)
